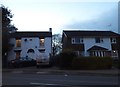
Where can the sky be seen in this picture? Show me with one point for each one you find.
(40, 15)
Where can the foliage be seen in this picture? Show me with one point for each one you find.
(92, 63)
(68, 60)
(116, 64)
(56, 44)
(7, 28)
(64, 60)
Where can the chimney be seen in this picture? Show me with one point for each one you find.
(50, 29)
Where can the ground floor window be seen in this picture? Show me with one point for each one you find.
(79, 53)
(97, 53)
(103, 53)
(17, 55)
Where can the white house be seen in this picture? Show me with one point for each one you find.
(92, 43)
(30, 44)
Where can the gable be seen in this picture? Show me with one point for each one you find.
(96, 48)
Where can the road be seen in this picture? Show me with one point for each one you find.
(41, 78)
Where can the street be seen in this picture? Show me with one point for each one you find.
(42, 78)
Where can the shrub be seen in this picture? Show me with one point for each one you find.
(64, 60)
(92, 63)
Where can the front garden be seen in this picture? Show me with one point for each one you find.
(68, 60)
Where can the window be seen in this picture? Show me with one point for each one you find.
(113, 40)
(42, 42)
(98, 40)
(25, 40)
(42, 50)
(77, 40)
(97, 53)
(30, 39)
(18, 43)
(17, 55)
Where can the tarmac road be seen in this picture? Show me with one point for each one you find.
(19, 78)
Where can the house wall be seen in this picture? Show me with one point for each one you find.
(11, 53)
(26, 45)
(48, 46)
(89, 42)
(69, 46)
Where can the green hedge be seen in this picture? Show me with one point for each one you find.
(68, 60)
(92, 63)
(64, 60)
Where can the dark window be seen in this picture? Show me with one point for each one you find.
(25, 40)
(97, 40)
(30, 51)
(30, 39)
(113, 40)
(77, 40)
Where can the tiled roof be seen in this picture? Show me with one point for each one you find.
(96, 48)
(31, 34)
(71, 33)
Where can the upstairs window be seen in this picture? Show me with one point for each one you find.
(77, 40)
(113, 40)
(42, 42)
(98, 40)
(18, 43)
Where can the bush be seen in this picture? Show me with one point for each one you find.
(116, 64)
(92, 63)
(64, 60)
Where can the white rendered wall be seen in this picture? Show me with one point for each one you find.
(48, 46)
(89, 42)
(33, 44)
(11, 53)
(26, 45)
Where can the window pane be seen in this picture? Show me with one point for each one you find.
(18, 43)
(97, 40)
(113, 40)
(77, 40)
(41, 42)
(17, 55)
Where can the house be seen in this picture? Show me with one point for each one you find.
(30, 44)
(91, 43)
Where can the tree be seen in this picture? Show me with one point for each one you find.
(7, 28)
(56, 43)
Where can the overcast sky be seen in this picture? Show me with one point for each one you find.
(40, 15)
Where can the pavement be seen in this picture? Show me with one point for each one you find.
(55, 70)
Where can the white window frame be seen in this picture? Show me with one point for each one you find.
(113, 40)
(74, 40)
(100, 40)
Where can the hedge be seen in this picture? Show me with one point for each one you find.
(64, 60)
(68, 60)
(92, 63)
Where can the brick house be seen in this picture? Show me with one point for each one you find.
(91, 43)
